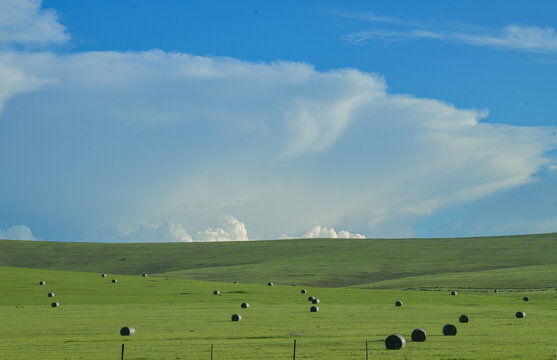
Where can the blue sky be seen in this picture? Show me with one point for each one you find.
(179, 121)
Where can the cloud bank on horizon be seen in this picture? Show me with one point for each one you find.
(161, 146)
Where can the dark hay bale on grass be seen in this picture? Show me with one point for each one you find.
(236, 317)
(314, 309)
(104, 275)
(454, 293)
(418, 335)
(520, 314)
(398, 303)
(311, 298)
(496, 290)
(270, 284)
(216, 292)
(127, 331)
(144, 275)
(463, 319)
(303, 291)
(245, 305)
(114, 281)
(395, 342)
(55, 304)
(316, 301)
(42, 283)
(50, 295)
(525, 298)
(449, 330)
(235, 282)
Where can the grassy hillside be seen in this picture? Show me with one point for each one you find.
(505, 262)
(180, 319)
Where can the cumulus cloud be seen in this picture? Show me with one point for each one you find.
(233, 230)
(166, 231)
(322, 232)
(17, 232)
(23, 22)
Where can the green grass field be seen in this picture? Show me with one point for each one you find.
(176, 316)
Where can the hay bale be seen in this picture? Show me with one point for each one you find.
(216, 292)
(144, 275)
(496, 290)
(244, 305)
(463, 319)
(270, 284)
(236, 317)
(520, 314)
(311, 298)
(418, 335)
(42, 283)
(525, 298)
(314, 308)
(398, 303)
(454, 293)
(449, 330)
(303, 291)
(235, 282)
(50, 295)
(104, 275)
(114, 281)
(127, 331)
(395, 342)
(316, 301)
(55, 304)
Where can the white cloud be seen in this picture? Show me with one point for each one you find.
(322, 232)
(17, 232)
(233, 230)
(516, 37)
(166, 231)
(24, 22)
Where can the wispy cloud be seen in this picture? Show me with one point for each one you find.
(514, 37)
(369, 16)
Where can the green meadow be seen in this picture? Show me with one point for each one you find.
(176, 315)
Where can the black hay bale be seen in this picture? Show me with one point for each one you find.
(55, 304)
(395, 342)
(144, 275)
(418, 335)
(449, 330)
(314, 308)
(525, 298)
(496, 290)
(316, 301)
(50, 294)
(520, 314)
(245, 305)
(236, 317)
(235, 282)
(311, 298)
(303, 291)
(463, 319)
(104, 275)
(127, 331)
(216, 292)
(454, 293)
(42, 283)
(270, 284)
(398, 303)
(114, 281)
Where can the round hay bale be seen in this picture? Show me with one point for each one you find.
(127, 331)
(314, 308)
(311, 298)
(244, 305)
(398, 303)
(303, 291)
(463, 319)
(114, 281)
(316, 301)
(496, 290)
(42, 283)
(449, 330)
(104, 275)
(418, 335)
(236, 317)
(50, 295)
(216, 292)
(395, 342)
(454, 293)
(144, 275)
(520, 314)
(55, 304)
(235, 282)
(270, 284)
(525, 298)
